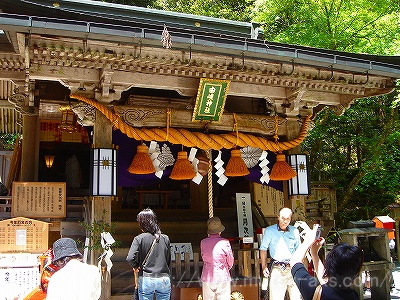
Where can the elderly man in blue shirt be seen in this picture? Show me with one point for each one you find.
(282, 240)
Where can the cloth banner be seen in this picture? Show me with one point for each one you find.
(127, 149)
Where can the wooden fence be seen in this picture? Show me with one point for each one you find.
(247, 265)
(5, 207)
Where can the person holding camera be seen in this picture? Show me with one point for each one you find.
(335, 277)
(282, 241)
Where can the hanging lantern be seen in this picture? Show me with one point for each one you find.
(182, 169)
(300, 184)
(281, 170)
(68, 119)
(49, 159)
(104, 172)
(142, 163)
(236, 165)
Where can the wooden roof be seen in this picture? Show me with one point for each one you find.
(103, 49)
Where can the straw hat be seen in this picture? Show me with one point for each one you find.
(214, 225)
(65, 247)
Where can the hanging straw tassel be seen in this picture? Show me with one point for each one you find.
(182, 169)
(236, 166)
(281, 169)
(141, 163)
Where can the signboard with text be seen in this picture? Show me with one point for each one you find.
(181, 248)
(245, 219)
(210, 100)
(268, 199)
(38, 199)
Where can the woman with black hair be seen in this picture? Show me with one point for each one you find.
(335, 277)
(150, 256)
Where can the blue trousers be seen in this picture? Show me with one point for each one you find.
(160, 286)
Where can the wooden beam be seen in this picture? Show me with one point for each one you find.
(141, 116)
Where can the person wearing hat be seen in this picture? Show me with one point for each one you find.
(217, 256)
(75, 280)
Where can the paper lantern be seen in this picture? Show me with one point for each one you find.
(300, 184)
(104, 172)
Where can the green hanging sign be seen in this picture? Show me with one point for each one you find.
(210, 100)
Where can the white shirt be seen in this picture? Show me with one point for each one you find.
(75, 281)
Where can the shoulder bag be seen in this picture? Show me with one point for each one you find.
(317, 293)
(135, 272)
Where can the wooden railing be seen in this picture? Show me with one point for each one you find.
(247, 265)
(5, 207)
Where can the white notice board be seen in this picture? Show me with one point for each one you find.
(245, 217)
(181, 248)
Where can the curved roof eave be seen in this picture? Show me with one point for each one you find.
(118, 14)
(219, 44)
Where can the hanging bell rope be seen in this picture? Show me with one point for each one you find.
(196, 139)
(281, 170)
(236, 166)
(168, 123)
(210, 187)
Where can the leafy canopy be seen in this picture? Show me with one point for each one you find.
(359, 150)
(352, 26)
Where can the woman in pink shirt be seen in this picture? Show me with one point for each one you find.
(217, 256)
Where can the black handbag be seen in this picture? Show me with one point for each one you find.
(135, 295)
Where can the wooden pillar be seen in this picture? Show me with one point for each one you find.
(101, 206)
(198, 196)
(296, 203)
(30, 122)
(29, 153)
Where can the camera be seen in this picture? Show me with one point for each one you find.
(318, 234)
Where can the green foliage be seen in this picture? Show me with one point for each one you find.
(94, 231)
(360, 151)
(352, 26)
(7, 140)
(239, 10)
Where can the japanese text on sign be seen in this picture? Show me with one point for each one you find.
(245, 220)
(210, 99)
(39, 199)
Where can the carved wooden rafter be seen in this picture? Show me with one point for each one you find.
(156, 117)
(106, 67)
